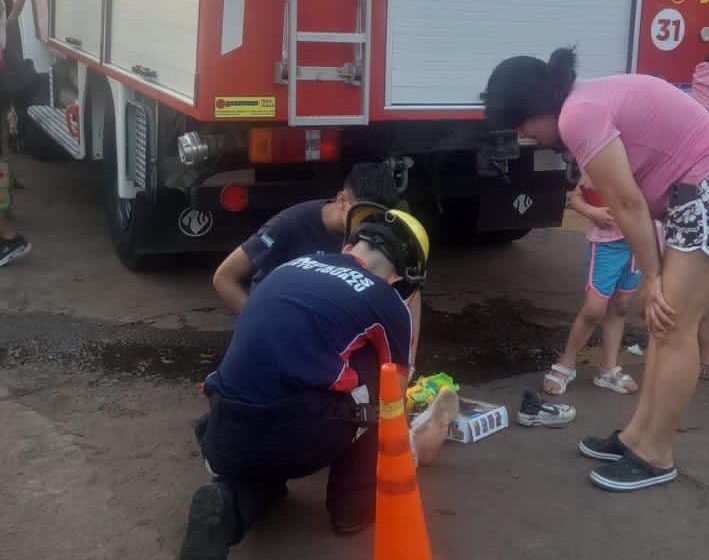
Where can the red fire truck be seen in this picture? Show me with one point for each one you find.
(211, 115)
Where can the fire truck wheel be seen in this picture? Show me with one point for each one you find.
(120, 212)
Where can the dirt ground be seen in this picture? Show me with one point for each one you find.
(97, 394)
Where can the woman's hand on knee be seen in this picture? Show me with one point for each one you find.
(659, 315)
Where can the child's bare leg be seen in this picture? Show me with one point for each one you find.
(613, 329)
(611, 376)
(591, 315)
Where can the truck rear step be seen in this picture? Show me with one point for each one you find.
(54, 123)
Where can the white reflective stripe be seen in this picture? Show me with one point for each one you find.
(232, 25)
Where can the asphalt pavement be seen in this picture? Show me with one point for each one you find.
(97, 373)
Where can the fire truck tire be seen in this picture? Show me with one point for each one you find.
(120, 212)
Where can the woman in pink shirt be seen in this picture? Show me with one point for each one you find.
(645, 145)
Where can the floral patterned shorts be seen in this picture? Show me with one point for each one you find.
(687, 217)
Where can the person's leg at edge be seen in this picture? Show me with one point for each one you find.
(671, 370)
(704, 347)
(591, 315)
(12, 244)
(7, 232)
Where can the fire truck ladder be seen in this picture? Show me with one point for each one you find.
(355, 73)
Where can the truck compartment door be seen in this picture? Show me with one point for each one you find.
(440, 54)
(155, 41)
(77, 24)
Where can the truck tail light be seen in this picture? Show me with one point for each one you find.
(293, 145)
(234, 198)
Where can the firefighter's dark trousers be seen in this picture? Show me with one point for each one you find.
(256, 449)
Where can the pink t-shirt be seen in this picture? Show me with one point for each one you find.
(665, 131)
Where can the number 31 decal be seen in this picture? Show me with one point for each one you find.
(668, 29)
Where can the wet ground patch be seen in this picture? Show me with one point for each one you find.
(167, 361)
(486, 341)
(496, 339)
(125, 350)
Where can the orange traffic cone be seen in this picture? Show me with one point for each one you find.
(400, 531)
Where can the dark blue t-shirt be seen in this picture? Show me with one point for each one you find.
(294, 232)
(300, 329)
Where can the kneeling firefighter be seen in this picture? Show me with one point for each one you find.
(293, 391)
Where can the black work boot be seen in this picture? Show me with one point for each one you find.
(212, 525)
(352, 513)
(345, 525)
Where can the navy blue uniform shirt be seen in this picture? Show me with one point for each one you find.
(294, 232)
(301, 327)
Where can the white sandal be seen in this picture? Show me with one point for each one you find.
(615, 380)
(561, 376)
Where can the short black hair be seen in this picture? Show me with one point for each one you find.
(373, 182)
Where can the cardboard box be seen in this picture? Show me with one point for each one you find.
(477, 420)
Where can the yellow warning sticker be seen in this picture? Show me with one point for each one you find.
(244, 107)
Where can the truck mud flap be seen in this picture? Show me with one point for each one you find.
(177, 224)
(521, 208)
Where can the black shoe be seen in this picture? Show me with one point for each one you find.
(352, 513)
(11, 249)
(346, 524)
(608, 449)
(212, 524)
(631, 473)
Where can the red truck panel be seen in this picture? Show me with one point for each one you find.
(670, 44)
(261, 49)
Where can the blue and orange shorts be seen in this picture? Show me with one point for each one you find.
(611, 268)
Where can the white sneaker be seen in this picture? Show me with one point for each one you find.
(535, 412)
